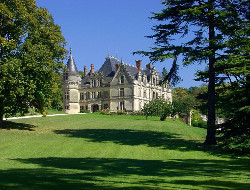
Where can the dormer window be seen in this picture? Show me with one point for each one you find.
(122, 80)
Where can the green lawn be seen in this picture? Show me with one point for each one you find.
(94, 151)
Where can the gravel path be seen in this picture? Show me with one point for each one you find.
(32, 116)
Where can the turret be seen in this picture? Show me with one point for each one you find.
(71, 70)
(71, 81)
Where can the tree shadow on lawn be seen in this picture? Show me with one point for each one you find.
(20, 126)
(134, 137)
(110, 173)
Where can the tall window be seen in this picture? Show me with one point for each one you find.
(93, 83)
(122, 79)
(93, 95)
(87, 95)
(99, 82)
(153, 95)
(145, 94)
(122, 106)
(121, 92)
(66, 96)
(81, 96)
(65, 76)
(99, 95)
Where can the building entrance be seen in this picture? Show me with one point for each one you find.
(95, 108)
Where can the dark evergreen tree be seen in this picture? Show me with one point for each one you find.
(198, 31)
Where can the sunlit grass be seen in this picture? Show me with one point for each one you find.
(95, 151)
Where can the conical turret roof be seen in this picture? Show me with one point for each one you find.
(71, 66)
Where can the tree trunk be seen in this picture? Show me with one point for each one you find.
(211, 129)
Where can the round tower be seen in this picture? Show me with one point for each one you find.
(71, 82)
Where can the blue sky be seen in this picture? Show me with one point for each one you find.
(96, 28)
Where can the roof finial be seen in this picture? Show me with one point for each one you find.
(70, 51)
(121, 61)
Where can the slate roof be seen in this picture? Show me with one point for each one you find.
(71, 66)
(133, 71)
(108, 68)
(85, 80)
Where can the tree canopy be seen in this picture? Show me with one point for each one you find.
(198, 31)
(158, 107)
(31, 54)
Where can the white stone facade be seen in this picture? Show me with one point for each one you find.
(115, 87)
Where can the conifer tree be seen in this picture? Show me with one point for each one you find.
(198, 31)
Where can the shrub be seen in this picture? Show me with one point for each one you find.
(104, 112)
(121, 113)
(197, 121)
(158, 107)
(234, 135)
(84, 111)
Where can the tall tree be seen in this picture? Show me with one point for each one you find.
(207, 25)
(31, 54)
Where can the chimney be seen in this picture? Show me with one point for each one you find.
(148, 66)
(117, 66)
(138, 65)
(92, 69)
(85, 71)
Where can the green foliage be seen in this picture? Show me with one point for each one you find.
(164, 72)
(197, 120)
(216, 32)
(234, 135)
(104, 112)
(158, 107)
(183, 101)
(81, 73)
(234, 101)
(84, 111)
(31, 54)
